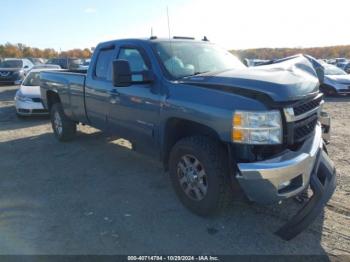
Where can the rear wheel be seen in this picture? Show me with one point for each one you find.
(63, 127)
(199, 174)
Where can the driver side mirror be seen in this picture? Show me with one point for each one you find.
(122, 75)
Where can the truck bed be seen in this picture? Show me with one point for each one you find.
(70, 86)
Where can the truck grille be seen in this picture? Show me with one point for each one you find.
(301, 118)
(4, 73)
(303, 108)
(304, 128)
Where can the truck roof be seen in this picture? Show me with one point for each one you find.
(154, 40)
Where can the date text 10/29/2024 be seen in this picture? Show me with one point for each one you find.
(173, 258)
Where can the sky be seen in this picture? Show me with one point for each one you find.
(233, 24)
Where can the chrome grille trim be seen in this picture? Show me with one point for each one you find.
(291, 117)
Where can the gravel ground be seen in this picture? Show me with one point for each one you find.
(95, 196)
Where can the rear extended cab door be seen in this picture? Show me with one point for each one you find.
(99, 85)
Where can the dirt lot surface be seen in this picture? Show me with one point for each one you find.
(95, 196)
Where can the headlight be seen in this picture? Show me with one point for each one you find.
(257, 128)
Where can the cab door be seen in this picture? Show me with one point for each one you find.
(134, 110)
(98, 87)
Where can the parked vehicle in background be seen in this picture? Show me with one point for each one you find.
(75, 63)
(13, 71)
(47, 66)
(66, 63)
(331, 61)
(336, 81)
(257, 62)
(85, 65)
(341, 62)
(347, 68)
(216, 125)
(28, 98)
(62, 62)
(36, 61)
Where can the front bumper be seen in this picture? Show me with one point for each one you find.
(265, 181)
(13, 79)
(323, 183)
(27, 108)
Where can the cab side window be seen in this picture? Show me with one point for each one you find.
(103, 69)
(135, 59)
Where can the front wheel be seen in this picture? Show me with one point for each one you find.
(199, 174)
(63, 127)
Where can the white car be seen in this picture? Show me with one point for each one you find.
(28, 97)
(85, 65)
(336, 81)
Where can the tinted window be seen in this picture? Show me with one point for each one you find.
(133, 56)
(104, 62)
(12, 64)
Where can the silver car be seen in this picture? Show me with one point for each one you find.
(336, 81)
(28, 97)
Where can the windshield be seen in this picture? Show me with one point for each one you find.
(11, 64)
(182, 59)
(33, 79)
(333, 70)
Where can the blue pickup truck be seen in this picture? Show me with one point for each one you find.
(217, 126)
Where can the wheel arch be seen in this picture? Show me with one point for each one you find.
(178, 128)
(52, 98)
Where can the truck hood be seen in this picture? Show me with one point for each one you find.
(289, 80)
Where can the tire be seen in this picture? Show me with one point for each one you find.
(212, 159)
(63, 127)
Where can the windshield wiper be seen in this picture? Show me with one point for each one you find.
(196, 73)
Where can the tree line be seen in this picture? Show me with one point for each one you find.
(275, 53)
(20, 50)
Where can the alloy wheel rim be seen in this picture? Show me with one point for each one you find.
(192, 177)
